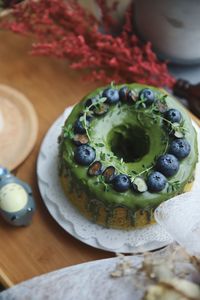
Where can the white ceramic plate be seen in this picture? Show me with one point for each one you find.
(139, 240)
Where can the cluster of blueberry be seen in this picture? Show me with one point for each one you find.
(167, 164)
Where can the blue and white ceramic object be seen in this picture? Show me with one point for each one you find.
(16, 200)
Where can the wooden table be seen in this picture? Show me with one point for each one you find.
(51, 87)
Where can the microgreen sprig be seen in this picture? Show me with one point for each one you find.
(101, 180)
(68, 131)
(173, 186)
(134, 175)
(151, 113)
(87, 111)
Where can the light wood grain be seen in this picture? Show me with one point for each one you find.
(51, 87)
(4, 280)
(18, 127)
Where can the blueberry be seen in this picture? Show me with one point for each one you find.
(123, 93)
(139, 185)
(173, 115)
(167, 164)
(78, 126)
(80, 139)
(109, 174)
(121, 183)
(180, 148)
(147, 95)
(132, 97)
(156, 182)
(112, 95)
(90, 101)
(84, 155)
(89, 116)
(95, 168)
(101, 109)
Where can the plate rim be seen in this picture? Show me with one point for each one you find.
(20, 99)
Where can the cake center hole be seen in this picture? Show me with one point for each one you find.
(129, 143)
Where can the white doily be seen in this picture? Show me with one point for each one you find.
(138, 240)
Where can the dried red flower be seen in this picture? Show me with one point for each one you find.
(64, 29)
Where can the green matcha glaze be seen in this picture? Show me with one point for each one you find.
(119, 121)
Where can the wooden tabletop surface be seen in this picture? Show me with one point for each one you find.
(51, 86)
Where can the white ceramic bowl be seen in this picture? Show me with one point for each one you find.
(173, 27)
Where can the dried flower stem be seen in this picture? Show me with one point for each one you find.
(65, 30)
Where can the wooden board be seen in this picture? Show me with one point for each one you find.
(51, 86)
(18, 127)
